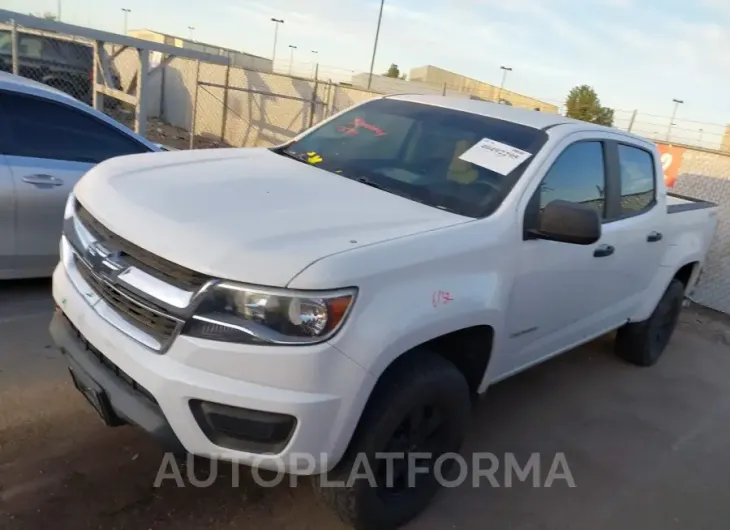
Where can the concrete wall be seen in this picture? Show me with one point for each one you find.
(261, 108)
(706, 175)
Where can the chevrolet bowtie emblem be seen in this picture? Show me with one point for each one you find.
(104, 262)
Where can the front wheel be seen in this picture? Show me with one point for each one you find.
(642, 343)
(421, 407)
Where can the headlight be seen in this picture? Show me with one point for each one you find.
(68, 212)
(255, 315)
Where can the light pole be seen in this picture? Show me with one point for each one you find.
(701, 131)
(276, 22)
(504, 78)
(291, 57)
(314, 61)
(677, 103)
(126, 14)
(58, 10)
(375, 45)
(191, 29)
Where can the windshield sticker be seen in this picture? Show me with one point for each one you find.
(313, 158)
(495, 156)
(352, 129)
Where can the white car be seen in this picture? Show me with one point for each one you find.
(351, 292)
(49, 140)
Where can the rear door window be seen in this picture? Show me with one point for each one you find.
(638, 177)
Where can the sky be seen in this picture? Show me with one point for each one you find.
(637, 54)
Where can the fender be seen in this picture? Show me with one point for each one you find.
(385, 327)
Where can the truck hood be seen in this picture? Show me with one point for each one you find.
(248, 215)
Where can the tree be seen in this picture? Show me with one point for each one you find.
(393, 72)
(47, 15)
(583, 104)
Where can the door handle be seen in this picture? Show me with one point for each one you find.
(603, 251)
(41, 179)
(654, 237)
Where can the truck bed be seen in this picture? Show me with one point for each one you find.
(681, 203)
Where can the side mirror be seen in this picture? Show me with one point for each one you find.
(568, 222)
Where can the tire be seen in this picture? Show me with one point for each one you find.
(643, 343)
(424, 382)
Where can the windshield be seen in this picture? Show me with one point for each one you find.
(456, 161)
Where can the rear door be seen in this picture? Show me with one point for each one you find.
(637, 221)
(48, 146)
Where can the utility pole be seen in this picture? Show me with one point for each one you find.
(291, 57)
(126, 14)
(677, 103)
(375, 45)
(276, 22)
(504, 78)
(314, 59)
(58, 10)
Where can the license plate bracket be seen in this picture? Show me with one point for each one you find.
(96, 397)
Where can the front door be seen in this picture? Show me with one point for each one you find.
(564, 293)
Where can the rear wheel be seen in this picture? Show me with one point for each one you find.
(642, 343)
(422, 406)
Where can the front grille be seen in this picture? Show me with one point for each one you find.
(112, 368)
(138, 257)
(144, 316)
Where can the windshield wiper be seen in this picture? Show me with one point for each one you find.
(372, 183)
(301, 157)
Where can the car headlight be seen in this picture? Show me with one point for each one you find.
(68, 212)
(258, 315)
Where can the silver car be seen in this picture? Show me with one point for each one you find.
(48, 140)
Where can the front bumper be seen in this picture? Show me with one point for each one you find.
(318, 386)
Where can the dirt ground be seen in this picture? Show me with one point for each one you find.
(648, 448)
(163, 133)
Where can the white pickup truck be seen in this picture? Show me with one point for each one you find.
(350, 292)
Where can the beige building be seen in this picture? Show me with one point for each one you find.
(452, 81)
(237, 58)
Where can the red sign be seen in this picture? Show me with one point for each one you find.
(671, 160)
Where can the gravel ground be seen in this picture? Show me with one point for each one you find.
(647, 448)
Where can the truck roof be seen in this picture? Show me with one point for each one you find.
(528, 117)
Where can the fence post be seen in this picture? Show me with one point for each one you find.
(194, 111)
(225, 101)
(140, 125)
(14, 47)
(313, 103)
(98, 97)
(631, 121)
